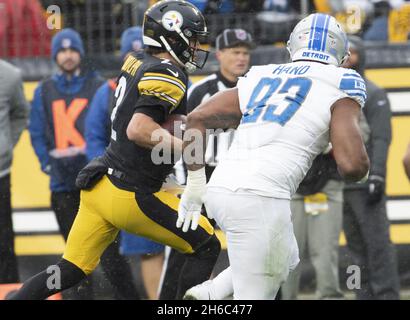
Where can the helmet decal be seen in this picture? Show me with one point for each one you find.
(179, 28)
(172, 19)
(318, 37)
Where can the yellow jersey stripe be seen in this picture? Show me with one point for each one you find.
(159, 96)
(155, 74)
(164, 79)
(166, 89)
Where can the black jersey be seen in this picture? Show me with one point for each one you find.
(157, 88)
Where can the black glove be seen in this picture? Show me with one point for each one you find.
(375, 190)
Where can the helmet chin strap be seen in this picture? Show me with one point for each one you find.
(190, 67)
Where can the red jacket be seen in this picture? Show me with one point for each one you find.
(23, 29)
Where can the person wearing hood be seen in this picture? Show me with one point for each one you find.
(57, 122)
(365, 222)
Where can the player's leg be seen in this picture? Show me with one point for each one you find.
(323, 238)
(65, 206)
(90, 235)
(154, 216)
(118, 271)
(380, 251)
(150, 256)
(173, 263)
(261, 246)
(290, 287)
(151, 267)
(172, 269)
(219, 288)
(8, 259)
(355, 240)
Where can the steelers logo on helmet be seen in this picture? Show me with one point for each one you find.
(171, 20)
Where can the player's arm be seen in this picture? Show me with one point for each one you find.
(161, 92)
(406, 162)
(142, 128)
(221, 111)
(348, 147)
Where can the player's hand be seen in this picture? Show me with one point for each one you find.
(376, 187)
(189, 210)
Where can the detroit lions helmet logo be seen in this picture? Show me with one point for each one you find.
(171, 20)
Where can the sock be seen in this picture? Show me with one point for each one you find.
(47, 283)
(198, 266)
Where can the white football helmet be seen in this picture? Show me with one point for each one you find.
(319, 37)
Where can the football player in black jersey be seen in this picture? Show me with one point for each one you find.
(122, 189)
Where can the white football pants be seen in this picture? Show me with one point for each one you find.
(262, 248)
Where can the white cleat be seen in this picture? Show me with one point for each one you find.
(201, 291)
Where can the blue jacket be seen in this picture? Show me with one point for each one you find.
(378, 31)
(97, 122)
(40, 123)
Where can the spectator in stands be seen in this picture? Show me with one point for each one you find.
(379, 28)
(23, 29)
(227, 6)
(220, 7)
(97, 137)
(200, 4)
(56, 128)
(317, 212)
(233, 49)
(365, 223)
(276, 21)
(14, 111)
(406, 162)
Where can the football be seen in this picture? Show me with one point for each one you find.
(173, 123)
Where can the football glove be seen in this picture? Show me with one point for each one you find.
(189, 210)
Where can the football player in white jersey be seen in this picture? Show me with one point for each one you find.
(285, 116)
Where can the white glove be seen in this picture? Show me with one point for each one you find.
(189, 210)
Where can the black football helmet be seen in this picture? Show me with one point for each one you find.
(178, 27)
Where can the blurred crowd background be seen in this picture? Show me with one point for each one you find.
(24, 35)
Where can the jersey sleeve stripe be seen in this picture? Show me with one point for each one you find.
(352, 84)
(156, 74)
(170, 91)
(162, 96)
(165, 80)
(353, 75)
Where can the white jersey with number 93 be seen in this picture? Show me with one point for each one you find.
(285, 125)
